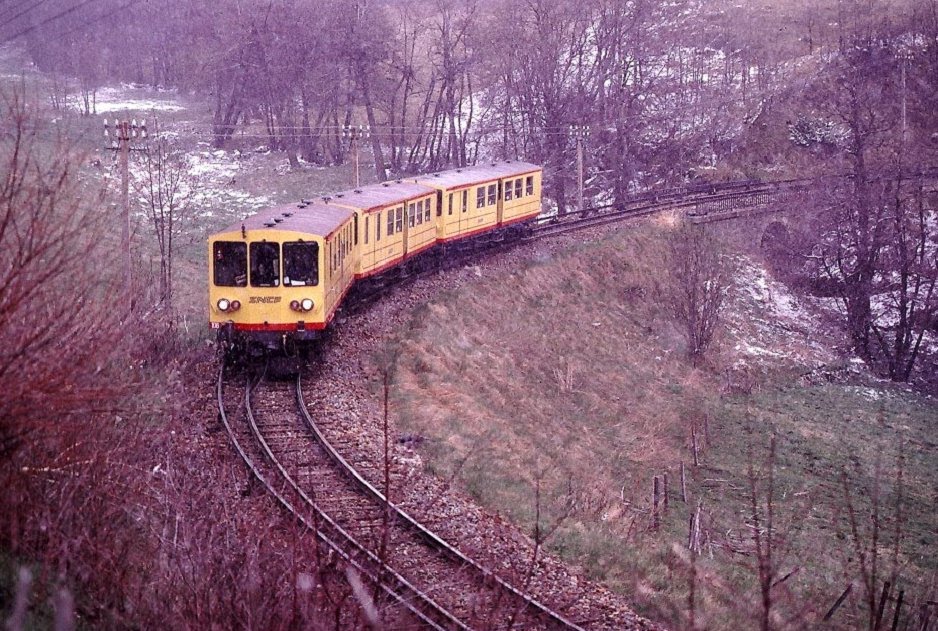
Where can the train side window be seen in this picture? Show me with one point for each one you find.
(399, 223)
(265, 264)
(480, 197)
(390, 221)
(410, 214)
(366, 229)
(230, 263)
(450, 203)
(529, 185)
(378, 227)
(426, 210)
(509, 189)
(419, 211)
(356, 229)
(518, 185)
(300, 264)
(465, 200)
(493, 194)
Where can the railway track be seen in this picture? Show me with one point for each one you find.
(422, 578)
(717, 201)
(419, 574)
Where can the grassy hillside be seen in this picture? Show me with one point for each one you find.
(558, 391)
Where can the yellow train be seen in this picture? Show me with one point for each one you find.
(277, 279)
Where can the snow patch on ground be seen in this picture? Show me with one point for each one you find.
(120, 98)
(767, 322)
(214, 165)
(214, 192)
(868, 393)
(211, 174)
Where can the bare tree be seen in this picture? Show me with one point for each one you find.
(699, 280)
(878, 228)
(56, 313)
(164, 188)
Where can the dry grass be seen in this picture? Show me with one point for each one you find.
(570, 371)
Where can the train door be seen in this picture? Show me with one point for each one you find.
(408, 224)
(500, 205)
(450, 214)
(463, 210)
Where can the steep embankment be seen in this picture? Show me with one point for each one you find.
(554, 393)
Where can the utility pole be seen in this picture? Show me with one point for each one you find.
(354, 134)
(905, 57)
(579, 133)
(124, 133)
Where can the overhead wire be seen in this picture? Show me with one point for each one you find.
(62, 14)
(14, 6)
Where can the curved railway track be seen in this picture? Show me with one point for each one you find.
(420, 576)
(417, 571)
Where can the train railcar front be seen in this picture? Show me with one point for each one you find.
(276, 278)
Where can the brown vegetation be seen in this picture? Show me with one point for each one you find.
(698, 281)
(114, 491)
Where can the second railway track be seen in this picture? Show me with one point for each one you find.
(431, 581)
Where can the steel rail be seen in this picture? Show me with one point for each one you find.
(613, 213)
(540, 609)
(324, 537)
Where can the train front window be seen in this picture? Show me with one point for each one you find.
(230, 263)
(265, 264)
(300, 264)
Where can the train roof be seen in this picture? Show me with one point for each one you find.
(312, 217)
(457, 178)
(383, 194)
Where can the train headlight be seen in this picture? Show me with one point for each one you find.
(235, 305)
(307, 304)
(295, 305)
(223, 304)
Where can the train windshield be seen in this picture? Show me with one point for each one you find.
(265, 264)
(230, 263)
(300, 264)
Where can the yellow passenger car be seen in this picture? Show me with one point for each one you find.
(393, 221)
(477, 199)
(278, 277)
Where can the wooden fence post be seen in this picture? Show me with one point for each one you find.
(683, 484)
(693, 435)
(655, 521)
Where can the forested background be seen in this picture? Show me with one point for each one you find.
(668, 89)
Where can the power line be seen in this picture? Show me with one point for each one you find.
(62, 14)
(15, 6)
